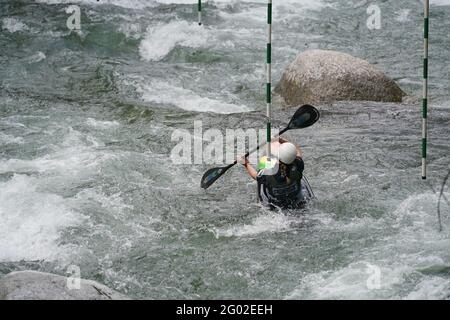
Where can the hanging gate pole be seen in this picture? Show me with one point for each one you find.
(199, 12)
(269, 78)
(425, 90)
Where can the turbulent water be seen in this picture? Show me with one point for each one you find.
(86, 179)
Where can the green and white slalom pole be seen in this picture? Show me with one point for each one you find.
(269, 78)
(425, 90)
(199, 12)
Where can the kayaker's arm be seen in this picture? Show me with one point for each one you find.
(299, 152)
(251, 171)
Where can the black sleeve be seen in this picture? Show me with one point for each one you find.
(300, 164)
(260, 177)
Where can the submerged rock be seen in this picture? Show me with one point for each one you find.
(320, 76)
(32, 285)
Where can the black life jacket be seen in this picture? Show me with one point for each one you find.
(275, 190)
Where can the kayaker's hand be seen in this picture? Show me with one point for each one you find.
(242, 160)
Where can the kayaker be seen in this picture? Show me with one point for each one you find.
(279, 183)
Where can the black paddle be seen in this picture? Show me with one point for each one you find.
(304, 117)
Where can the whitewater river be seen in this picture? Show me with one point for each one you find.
(86, 178)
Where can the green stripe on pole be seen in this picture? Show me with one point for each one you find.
(426, 27)
(269, 132)
(424, 148)
(269, 13)
(268, 93)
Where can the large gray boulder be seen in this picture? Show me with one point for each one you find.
(32, 285)
(320, 76)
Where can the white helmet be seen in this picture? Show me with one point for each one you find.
(287, 153)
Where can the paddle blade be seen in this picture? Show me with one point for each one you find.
(212, 175)
(305, 117)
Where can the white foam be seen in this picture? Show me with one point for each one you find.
(409, 81)
(114, 203)
(68, 161)
(31, 218)
(132, 4)
(252, 17)
(165, 93)
(9, 139)
(75, 155)
(440, 2)
(442, 106)
(403, 15)
(145, 3)
(31, 221)
(131, 30)
(101, 124)
(163, 38)
(269, 223)
(38, 57)
(351, 282)
(13, 25)
(412, 245)
(431, 288)
(351, 178)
